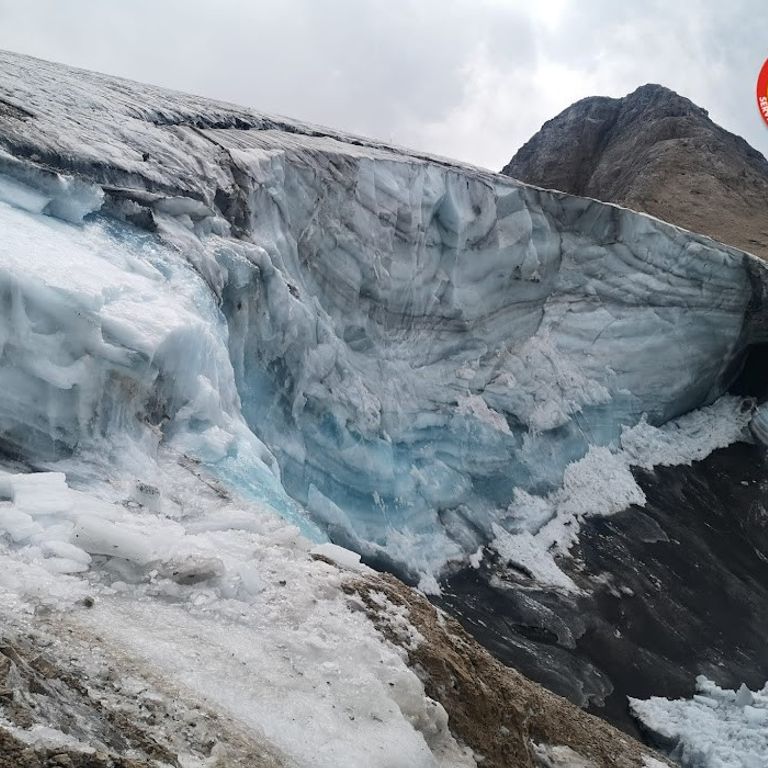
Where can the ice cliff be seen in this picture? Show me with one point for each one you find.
(383, 346)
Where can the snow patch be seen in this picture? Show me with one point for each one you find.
(552, 756)
(474, 405)
(717, 728)
(344, 558)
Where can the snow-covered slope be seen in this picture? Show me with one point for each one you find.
(382, 346)
(224, 610)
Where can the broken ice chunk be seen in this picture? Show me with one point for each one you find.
(67, 551)
(744, 696)
(101, 537)
(18, 525)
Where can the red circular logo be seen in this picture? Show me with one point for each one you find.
(762, 91)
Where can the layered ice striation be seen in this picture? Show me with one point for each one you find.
(391, 344)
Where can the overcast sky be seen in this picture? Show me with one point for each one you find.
(470, 79)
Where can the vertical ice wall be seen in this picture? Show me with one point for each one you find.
(111, 344)
(410, 339)
(415, 342)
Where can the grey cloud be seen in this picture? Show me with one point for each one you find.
(471, 79)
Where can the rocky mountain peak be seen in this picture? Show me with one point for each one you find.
(654, 151)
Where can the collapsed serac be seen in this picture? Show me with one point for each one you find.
(395, 342)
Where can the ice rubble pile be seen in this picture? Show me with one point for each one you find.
(198, 588)
(40, 512)
(399, 343)
(716, 729)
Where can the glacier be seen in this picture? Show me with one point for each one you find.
(387, 348)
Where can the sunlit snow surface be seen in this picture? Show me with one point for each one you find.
(716, 729)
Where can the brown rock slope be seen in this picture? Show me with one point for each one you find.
(657, 152)
(508, 720)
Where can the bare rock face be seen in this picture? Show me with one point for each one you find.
(657, 152)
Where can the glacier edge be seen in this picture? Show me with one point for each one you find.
(392, 342)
